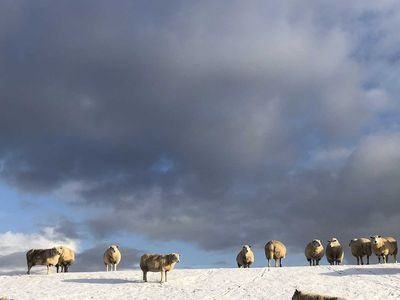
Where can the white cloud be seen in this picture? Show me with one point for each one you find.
(12, 242)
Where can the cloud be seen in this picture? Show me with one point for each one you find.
(200, 121)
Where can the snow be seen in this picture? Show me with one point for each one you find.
(352, 282)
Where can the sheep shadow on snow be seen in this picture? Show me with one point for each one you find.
(102, 280)
(364, 271)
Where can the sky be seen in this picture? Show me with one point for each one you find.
(196, 127)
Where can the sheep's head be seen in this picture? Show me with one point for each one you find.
(296, 295)
(174, 257)
(114, 248)
(376, 240)
(246, 248)
(316, 243)
(333, 242)
(55, 251)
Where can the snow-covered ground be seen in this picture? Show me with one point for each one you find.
(352, 282)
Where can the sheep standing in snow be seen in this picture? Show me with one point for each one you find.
(275, 250)
(359, 248)
(67, 258)
(334, 252)
(383, 247)
(44, 257)
(158, 263)
(299, 295)
(112, 257)
(245, 257)
(314, 252)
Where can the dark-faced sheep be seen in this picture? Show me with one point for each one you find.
(112, 257)
(359, 248)
(334, 252)
(245, 257)
(67, 258)
(275, 250)
(314, 251)
(158, 263)
(44, 257)
(383, 247)
(299, 295)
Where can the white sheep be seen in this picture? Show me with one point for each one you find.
(275, 250)
(112, 257)
(359, 248)
(67, 258)
(45, 257)
(314, 251)
(158, 263)
(245, 257)
(383, 247)
(334, 252)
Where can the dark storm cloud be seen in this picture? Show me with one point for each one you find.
(207, 122)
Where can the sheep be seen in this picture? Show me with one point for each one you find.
(359, 248)
(334, 252)
(383, 247)
(299, 295)
(45, 257)
(67, 258)
(158, 263)
(275, 250)
(245, 257)
(112, 257)
(314, 251)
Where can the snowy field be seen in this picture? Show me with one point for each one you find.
(352, 282)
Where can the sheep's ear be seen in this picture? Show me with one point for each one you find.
(118, 246)
(249, 246)
(371, 237)
(379, 236)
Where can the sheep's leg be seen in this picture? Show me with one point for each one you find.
(358, 260)
(115, 267)
(386, 260)
(57, 266)
(280, 262)
(29, 269)
(269, 263)
(367, 259)
(309, 262)
(144, 276)
(162, 276)
(106, 267)
(166, 276)
(395, 258)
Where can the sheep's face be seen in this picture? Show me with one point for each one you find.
(55, 251)
(175, 257)
(246, 248)
(114, 248)
(333, 242)
(376, 240)
(316, 243)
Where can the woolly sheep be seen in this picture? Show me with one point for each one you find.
(245, 257)
(359, 248)
(44, 257)
(334, 252)
(275, 250)
(383, 247)
(314, 251)
(67, 258)
(158, 263)
(299, 295)
(112, 257)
